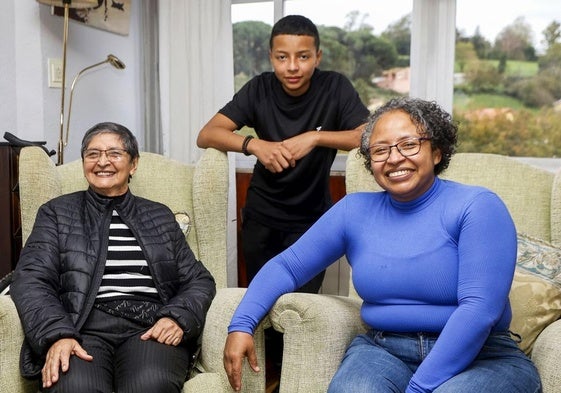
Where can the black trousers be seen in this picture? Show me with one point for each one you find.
(122, 363)
(261, 243)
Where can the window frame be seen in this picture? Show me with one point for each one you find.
(433, 34)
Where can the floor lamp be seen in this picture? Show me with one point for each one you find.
(111, 59)
(66, 4)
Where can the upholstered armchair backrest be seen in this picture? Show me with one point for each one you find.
(199, 190)
(527, 191)
(532, 195)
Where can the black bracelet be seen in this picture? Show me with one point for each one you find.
(245, 143)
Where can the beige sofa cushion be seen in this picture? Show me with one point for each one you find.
(535, 295)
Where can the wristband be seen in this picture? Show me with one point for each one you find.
(245, 143)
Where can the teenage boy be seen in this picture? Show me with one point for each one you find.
(301, 116)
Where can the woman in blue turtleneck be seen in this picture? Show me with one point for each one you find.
(432, 260)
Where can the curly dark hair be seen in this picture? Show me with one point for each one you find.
(431, 121)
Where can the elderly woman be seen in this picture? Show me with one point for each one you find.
(109, 293)
(432, 260)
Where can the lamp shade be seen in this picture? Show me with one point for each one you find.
(71, 3)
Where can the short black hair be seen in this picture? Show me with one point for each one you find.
(295, 25)
(430, 120)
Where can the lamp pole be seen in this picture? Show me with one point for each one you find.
(60, 155)
(66, 4)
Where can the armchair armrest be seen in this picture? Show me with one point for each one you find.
(546, 355)
(209, 375)
(317, 330)
(209, 366)
(11, 338)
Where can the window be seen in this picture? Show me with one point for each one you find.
(363, 39)
(511, 99)
(507, 82)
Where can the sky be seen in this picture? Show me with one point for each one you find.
(490, 15)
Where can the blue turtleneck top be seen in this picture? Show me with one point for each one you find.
(441, 263)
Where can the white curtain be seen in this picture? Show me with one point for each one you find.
(433, 35)
(196, 66)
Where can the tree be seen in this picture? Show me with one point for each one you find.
(251, 47)
(551, 34)
(356, 21)
(552, 57)
(465, 53)
(399, 33)
(545, 87)
(480, 44)
(515, 40)
(335, 51)
(483, 77)
(370, 55)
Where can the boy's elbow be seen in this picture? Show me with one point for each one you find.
(202, 140)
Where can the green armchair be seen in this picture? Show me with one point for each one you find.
(318, 328)
(199, 190)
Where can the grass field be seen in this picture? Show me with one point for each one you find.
(519, 68)
(514, 67)
(525, 69)
(477, 101)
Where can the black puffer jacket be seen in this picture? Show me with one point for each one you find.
(61, 266)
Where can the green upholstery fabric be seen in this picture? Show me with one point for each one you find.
(313, 323)
(10, 345)
(201, 191)
(317, 330)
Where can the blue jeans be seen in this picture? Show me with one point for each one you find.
(383, 362)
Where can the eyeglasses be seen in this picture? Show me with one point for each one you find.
(112, 155)
(407, 147)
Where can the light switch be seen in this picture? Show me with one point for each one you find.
(54, 67)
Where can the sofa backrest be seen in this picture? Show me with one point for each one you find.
(199, 190)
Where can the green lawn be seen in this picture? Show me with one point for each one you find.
(514, 67)
(520, 68)
(477, 101)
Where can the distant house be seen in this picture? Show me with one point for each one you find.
(396, 79)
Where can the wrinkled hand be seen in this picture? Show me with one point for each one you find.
(238, 346)
(165, 331)
(58, 359)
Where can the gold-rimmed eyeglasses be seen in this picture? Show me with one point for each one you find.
(112, 155)
(407, 148)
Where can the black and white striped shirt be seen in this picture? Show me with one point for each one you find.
(126, 274)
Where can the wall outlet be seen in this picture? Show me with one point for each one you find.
(54, 67)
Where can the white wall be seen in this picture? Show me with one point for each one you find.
(31, 110)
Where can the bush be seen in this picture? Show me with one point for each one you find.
(483, 77)
(520, 133)
(532, 92)
(540, 90)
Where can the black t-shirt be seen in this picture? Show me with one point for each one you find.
(296, 197)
